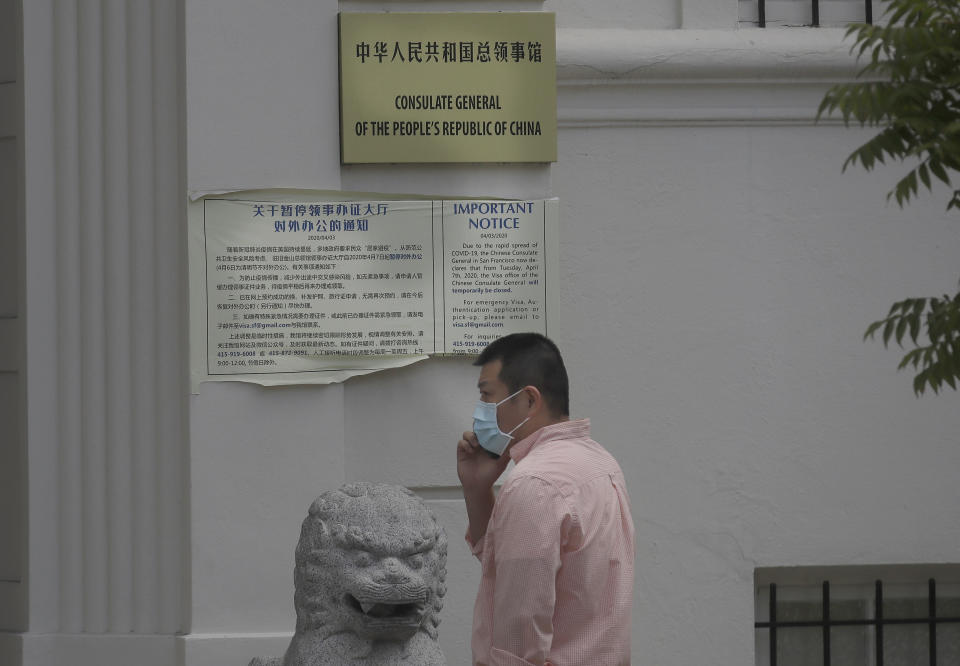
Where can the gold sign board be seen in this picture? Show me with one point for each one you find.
(448, 87)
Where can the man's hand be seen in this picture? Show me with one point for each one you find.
(478, 471)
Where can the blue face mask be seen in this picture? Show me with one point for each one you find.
(487, 429)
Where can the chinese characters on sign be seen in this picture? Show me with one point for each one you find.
(448, 87)
(449, 52)
(315, 287)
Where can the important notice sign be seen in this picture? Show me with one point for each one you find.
(448, 87)
(299, 289)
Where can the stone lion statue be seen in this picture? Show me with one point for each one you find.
(369, 581)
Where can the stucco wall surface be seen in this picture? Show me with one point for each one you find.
(717, 284)
(716, 274)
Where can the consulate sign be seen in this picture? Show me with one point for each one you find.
(448, 87)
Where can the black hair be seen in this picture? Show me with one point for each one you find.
(531, 359)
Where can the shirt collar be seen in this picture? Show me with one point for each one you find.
(579, 428)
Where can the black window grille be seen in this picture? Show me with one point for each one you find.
(815, 11)
(878, 622)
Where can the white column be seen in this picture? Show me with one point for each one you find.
(104, 222)
(12, 405)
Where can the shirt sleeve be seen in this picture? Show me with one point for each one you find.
(528, 527)
(475, 548)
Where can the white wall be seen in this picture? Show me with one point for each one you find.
(262, 111)
(734, 270)
(717, 272)
(261, 116)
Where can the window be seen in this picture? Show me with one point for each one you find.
(825, 13)
(858, 616)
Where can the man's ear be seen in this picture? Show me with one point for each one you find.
(535, 397)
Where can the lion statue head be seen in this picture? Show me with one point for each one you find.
(369, 579)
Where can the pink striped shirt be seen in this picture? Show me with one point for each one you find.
(557, 557)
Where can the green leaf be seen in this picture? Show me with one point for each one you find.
(872, 328)
(918, 383)
(888, 330)
(939, 171)
(911, 357)
(917, 306)
(948, 377)
(901, 329)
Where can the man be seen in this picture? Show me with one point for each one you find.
(556, 544)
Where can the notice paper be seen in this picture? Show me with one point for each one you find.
(313, 287)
